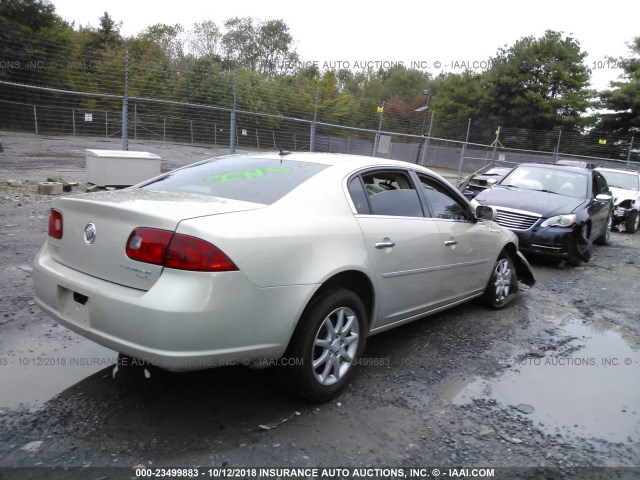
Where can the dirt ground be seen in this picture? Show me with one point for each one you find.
(546, 386)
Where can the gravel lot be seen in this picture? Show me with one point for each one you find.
(549, 383)
(32, 157)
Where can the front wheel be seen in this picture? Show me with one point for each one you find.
(603, 239)
(632, 223)
(328, 341)
(503, 283)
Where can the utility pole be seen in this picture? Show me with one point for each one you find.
(312, 146)
(125, 104)
(232, 139)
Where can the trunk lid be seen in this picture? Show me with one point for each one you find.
(114, 215)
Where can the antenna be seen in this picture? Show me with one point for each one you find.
(283, 152)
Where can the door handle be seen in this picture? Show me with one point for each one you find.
(451, 243)
(386, 243)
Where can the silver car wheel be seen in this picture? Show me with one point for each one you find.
(502, 274)
(335, 346)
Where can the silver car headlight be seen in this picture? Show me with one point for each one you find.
(560, 221)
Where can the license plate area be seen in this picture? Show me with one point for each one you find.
(74, 306)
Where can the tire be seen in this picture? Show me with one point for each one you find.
(503, 283)
(603, 239)
(326, 345)
(632, 223)
(580, 250)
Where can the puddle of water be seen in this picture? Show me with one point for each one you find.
(30, 379)
(593, 391)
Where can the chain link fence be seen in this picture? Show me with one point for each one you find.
(44, 133)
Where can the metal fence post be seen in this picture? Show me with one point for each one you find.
(125, 104)
(376, 142)
(495, 144)
(106, 124)
(257, 139)
(232, 134)
(191, 125)
(35, 118)
(312, 140)
(464, 151)
(557, 153)
(73, 120)
(135, 121)
(164, 128)
(630, 150)
(425, 152)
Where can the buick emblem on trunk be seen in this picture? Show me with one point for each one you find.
(89, 233)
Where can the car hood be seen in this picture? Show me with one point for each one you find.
(542, 203)
(622, 194)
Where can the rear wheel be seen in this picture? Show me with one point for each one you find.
(323, 351)
(503, 283)
(632, 223)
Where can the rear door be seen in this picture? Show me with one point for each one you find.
(402, 244)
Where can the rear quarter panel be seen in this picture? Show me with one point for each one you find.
(304, 238)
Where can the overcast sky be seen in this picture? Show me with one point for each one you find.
(433, 37)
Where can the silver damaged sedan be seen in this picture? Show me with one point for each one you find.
(289, 260)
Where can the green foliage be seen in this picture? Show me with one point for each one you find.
(30, 35)
(459, 95)
(539, 83)
(623, 99)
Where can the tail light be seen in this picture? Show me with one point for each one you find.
(55, 223)
(175, 250)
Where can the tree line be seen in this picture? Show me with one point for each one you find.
(536, 84)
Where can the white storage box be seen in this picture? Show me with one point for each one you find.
(120, 167)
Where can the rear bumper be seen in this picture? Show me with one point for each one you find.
(186, 321)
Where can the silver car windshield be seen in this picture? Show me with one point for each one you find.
(562, 182)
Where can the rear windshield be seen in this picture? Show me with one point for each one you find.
(256, 180)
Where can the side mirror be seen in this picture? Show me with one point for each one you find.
(603, 197)
(485, 212)
(491, 182)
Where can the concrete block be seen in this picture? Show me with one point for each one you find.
(49, 188)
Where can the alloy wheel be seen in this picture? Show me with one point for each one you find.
(502, 283)
(335, 346)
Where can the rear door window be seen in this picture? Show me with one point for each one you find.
(391, 193)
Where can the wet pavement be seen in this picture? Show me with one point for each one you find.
(34, 375)
(588, 388)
